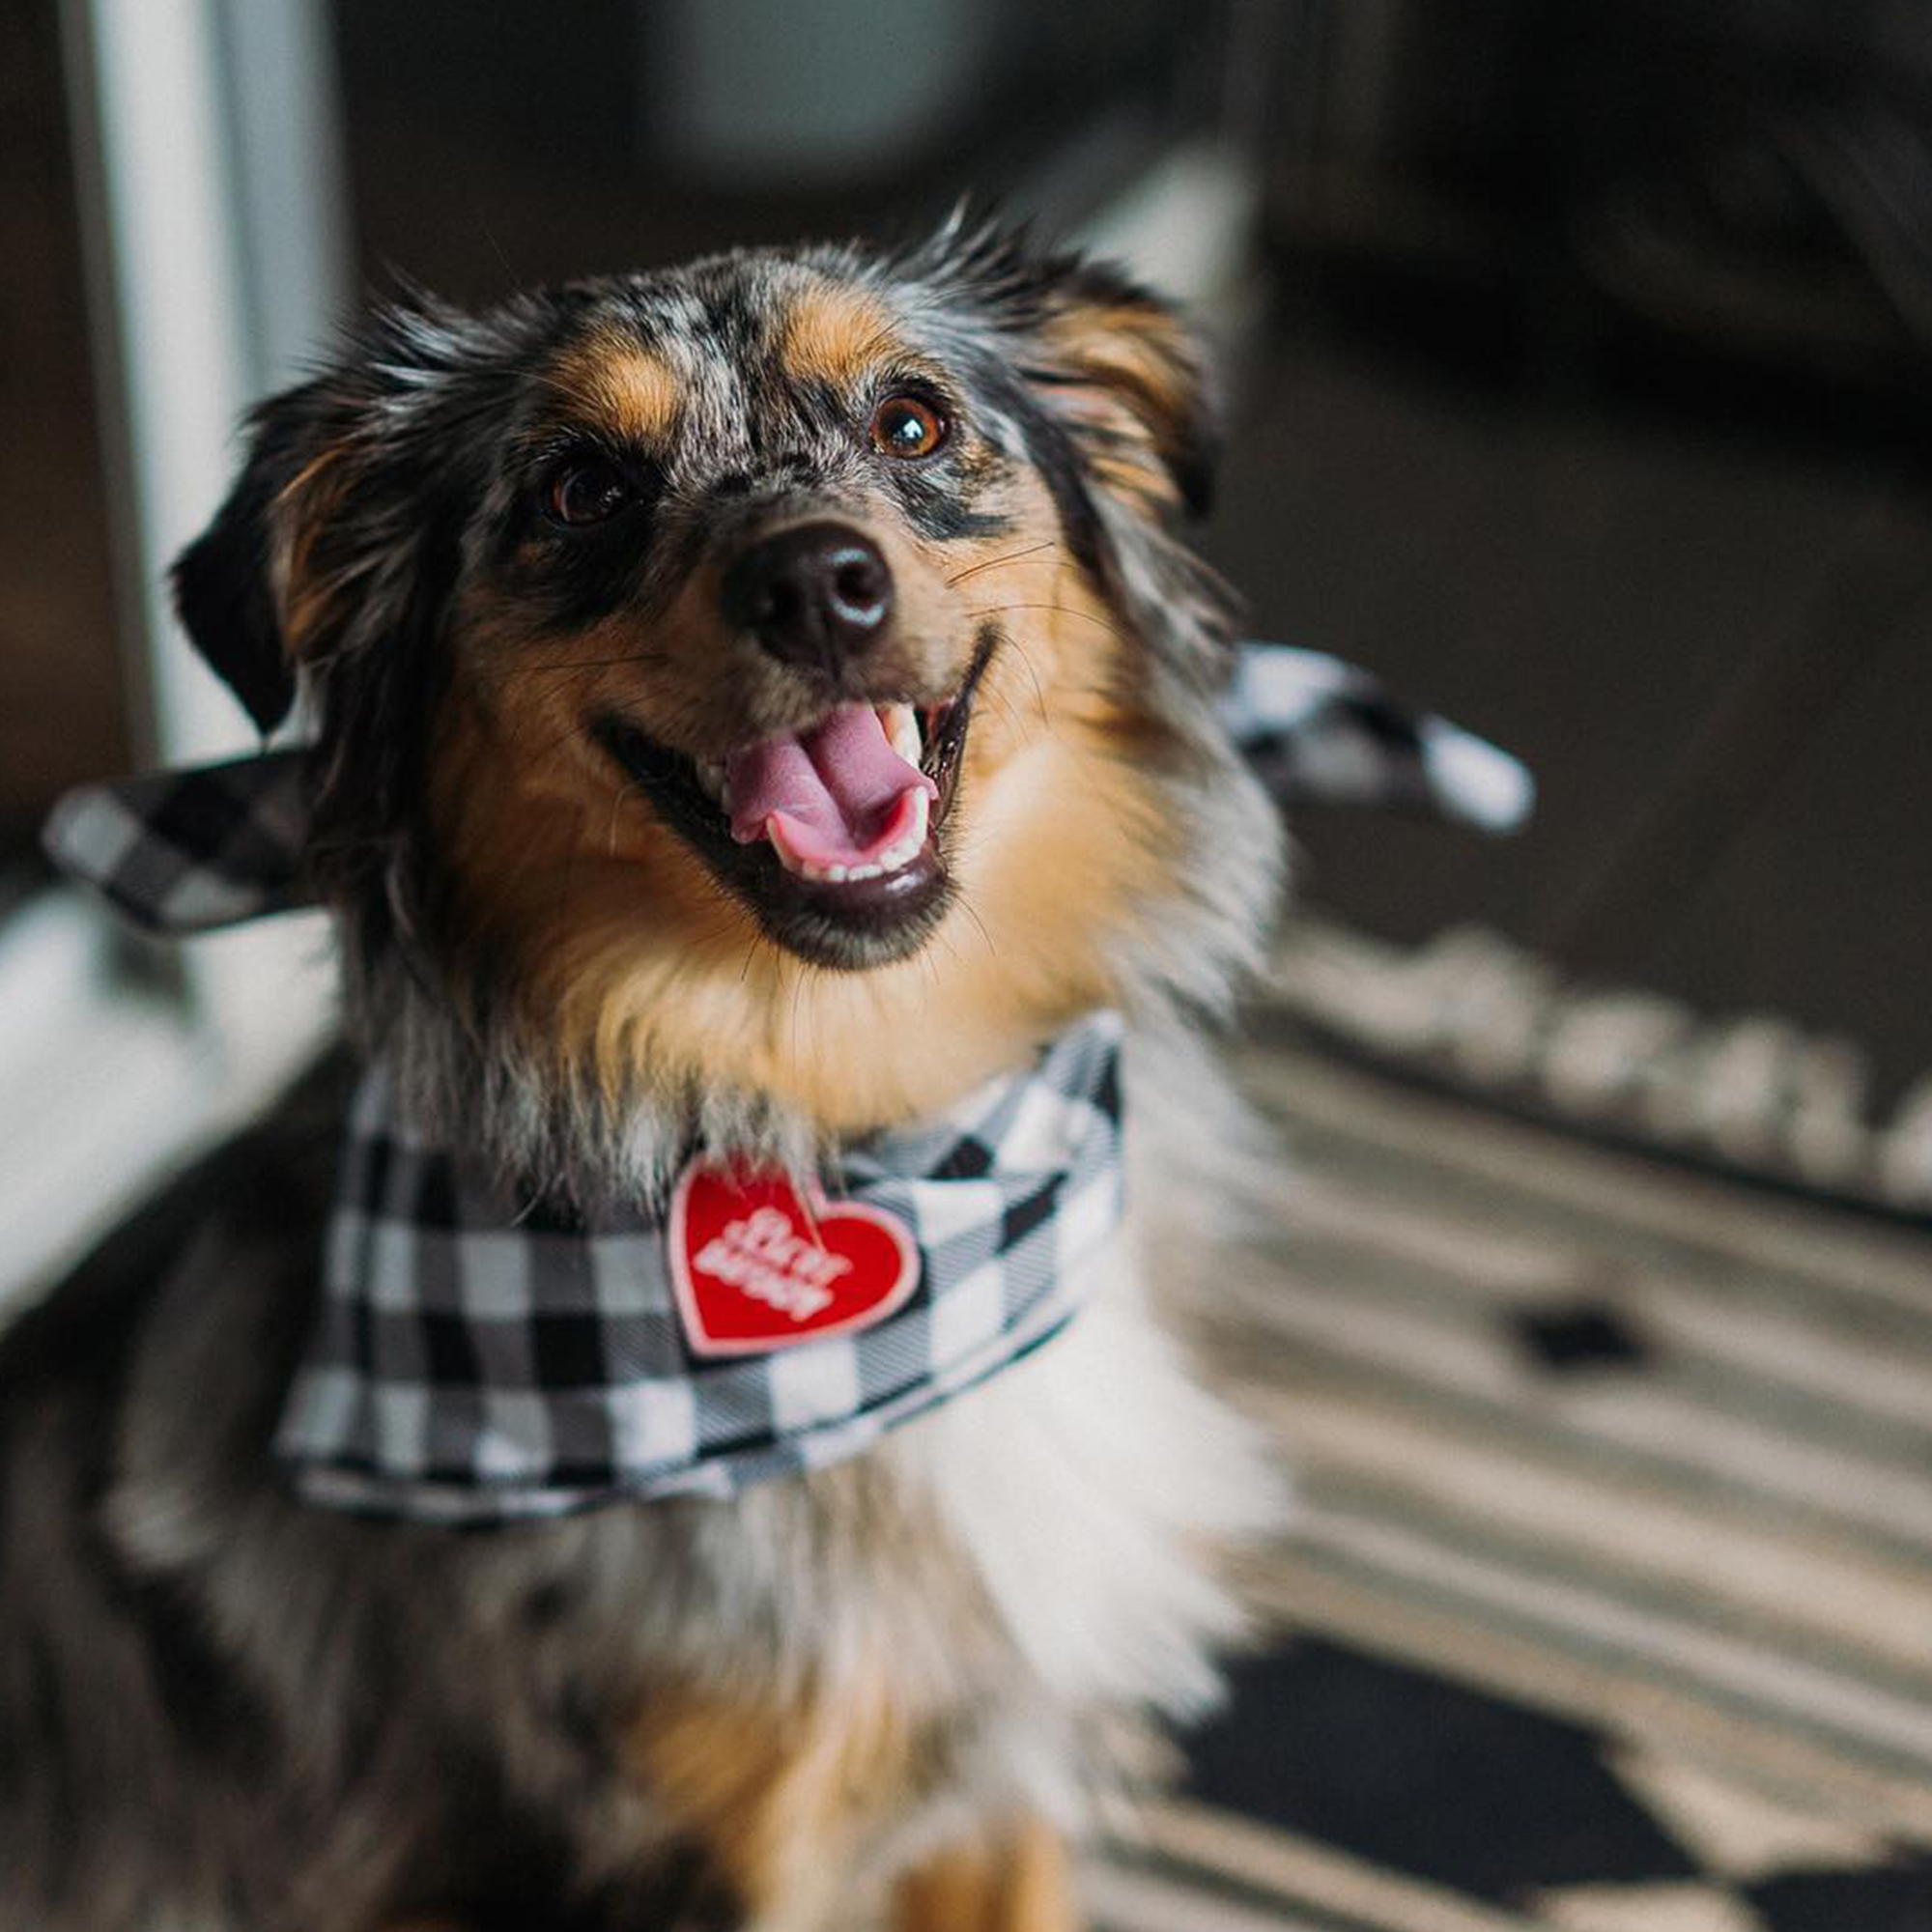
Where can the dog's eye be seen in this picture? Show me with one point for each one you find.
(906, 426)
(587, 490)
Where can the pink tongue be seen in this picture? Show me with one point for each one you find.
(837, 787)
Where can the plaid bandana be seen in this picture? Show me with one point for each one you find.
(1322, 732)
(480, 1358)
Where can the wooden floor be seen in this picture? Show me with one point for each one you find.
(1702, 612)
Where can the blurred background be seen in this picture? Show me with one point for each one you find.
(1578, 386)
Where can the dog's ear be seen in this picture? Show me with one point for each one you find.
(332, 565)
(1115, 368)
(224, 581)
(1128, 378)
(319, 546)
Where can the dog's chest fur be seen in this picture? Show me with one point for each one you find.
(961, 1622)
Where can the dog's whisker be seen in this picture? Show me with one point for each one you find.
(616, 805)
(966, 906)
(1062, 610)
(941, 938)
(550, 744)
(995, 696)
(800, 972)
(512, 672)
(994, 562)
(1038, 693)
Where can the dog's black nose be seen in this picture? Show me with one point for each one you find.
(816, 594)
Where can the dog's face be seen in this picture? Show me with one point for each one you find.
(676, 639)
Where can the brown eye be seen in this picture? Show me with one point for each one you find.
(905, 426)
(587, 490)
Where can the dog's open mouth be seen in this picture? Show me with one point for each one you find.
(832, 835)
(847, 800)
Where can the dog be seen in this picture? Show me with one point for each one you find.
(754, 707)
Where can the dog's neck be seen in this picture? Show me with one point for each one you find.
(548, 1129)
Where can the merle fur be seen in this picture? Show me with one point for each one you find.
(440, 450)
(220, 1710)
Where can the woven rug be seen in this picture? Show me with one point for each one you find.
(1749, 1094)
(1609, 1602)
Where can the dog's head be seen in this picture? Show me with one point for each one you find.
(778, 676)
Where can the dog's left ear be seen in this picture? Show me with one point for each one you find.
(1116, 374)
(1125, 374)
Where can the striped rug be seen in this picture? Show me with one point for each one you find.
(1609, 1602)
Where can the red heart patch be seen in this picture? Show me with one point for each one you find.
(756, 1270)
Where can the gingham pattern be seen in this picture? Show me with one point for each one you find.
(193, 849)
(1323, 733)
(184, 851)
(478, 1358)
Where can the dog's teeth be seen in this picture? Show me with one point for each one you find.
(901, 730)
(901, 853)
(711, 779)
(921, 806)
(908, 848)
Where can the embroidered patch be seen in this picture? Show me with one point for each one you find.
(755, 1270)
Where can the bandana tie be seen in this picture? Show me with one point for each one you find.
(479, 1358)
(211, 845)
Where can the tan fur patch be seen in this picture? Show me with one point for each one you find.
(778, 1798)
(1020, 1883)
(629, 957)
(833, 334)
(608, 379)
(1140, 383)
(305, 509)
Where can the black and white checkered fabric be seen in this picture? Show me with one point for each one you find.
(189, 850)
(478, 1359)
(193, 850)
(1323, 733)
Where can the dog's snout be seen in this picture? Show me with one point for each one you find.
(816, 594)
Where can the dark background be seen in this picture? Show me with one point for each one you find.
(1584, 395)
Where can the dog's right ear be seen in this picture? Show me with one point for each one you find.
(228, 583)
(320, 551)
(265, 588)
